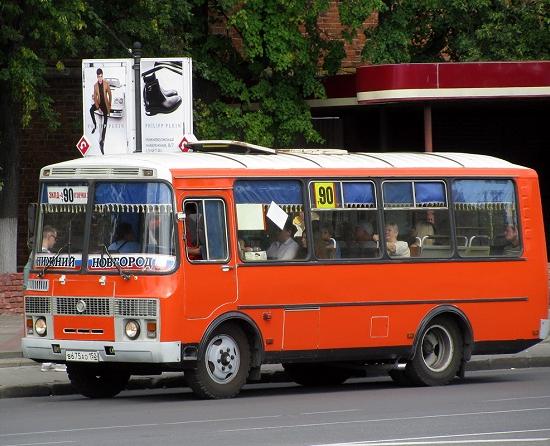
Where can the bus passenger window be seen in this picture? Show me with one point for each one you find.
(205, 230)
(270, 220)
(417, 215)
(344, 219)
(486, 218)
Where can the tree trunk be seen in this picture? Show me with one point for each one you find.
(9, 162)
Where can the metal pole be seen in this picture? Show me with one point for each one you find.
(136, 52)
(428, 144)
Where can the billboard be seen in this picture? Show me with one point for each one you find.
(109, 107)
(166, 103)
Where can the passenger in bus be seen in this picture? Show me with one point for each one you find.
(422, 233)
(395, 248)
(325, 245)
(49, 238)
(124, 240)
(363, 243)
(285, 247)
(511, 237)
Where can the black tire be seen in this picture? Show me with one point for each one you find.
(438, 354)
(317, 374)
(400, 378)
(97, 383)
(223, 364)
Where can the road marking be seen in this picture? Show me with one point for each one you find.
(216, 420)
(409, 443)
(519, 398)
(290, 426)
(37, 444)
(478, 434)
(332, 411)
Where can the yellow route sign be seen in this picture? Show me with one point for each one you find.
(325, 195)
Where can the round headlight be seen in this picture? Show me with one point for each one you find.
(40, 326)
(132, 329)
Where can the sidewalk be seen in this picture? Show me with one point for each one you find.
(21, 377)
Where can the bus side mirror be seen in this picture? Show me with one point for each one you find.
(31, 220)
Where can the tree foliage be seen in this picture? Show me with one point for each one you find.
(460, 30)
(263, 83)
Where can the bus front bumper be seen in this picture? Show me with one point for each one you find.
(54, 350)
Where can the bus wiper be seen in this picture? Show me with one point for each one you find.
(122, 273)
(52, 261)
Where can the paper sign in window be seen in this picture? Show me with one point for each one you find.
(250, 217)
(277, 215)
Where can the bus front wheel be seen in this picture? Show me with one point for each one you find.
(223, 364)
(438, 354)
(99, 383)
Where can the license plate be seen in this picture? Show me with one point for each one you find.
(72, 355)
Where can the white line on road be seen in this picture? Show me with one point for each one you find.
(290, 426)
(332, 411)
(38, 444)
(519, 398)
(478, 434)
(217, 420)
(409, 443)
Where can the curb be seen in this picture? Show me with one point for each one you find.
(142, 383)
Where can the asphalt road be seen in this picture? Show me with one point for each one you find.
(490, 407)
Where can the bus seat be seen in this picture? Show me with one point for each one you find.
(477, 251)
(436, 251)
(415, 250)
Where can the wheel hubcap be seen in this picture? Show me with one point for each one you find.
(437, 348)
(222, 359)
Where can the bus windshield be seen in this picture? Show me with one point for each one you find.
(131, 227)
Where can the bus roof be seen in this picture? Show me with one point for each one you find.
(162, 165)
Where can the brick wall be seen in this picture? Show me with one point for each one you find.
(11, 293)
(41, 145)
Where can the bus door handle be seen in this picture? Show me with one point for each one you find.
(226, 267)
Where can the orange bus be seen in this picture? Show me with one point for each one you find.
(229, 256)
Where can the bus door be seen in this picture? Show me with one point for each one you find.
(209, 271)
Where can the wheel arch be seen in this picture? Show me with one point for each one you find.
(457, 316)
(250, 328)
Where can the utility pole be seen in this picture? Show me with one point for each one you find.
(136, 53)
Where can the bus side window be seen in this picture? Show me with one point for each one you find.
(206, 230)
(486, 216)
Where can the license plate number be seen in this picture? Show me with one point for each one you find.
(72, 355)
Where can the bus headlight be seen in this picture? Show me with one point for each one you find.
(40, 326)
(132, 329)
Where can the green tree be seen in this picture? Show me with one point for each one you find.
(261, 86)
(460, 30)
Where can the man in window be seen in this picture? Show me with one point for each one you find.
(49, 238)
(285, 247)
(396, 248)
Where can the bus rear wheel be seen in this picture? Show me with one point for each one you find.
(223, 364)
(97, 383)
(438, 354)
(316, 375)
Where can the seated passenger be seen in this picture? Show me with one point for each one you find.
(325, 246)
(285, 247)
(395, 248)
(511, 236)
(419, 231)
(124, 240)
(364, 242)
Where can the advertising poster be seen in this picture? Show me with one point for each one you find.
(166, 103)
(108, 106)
